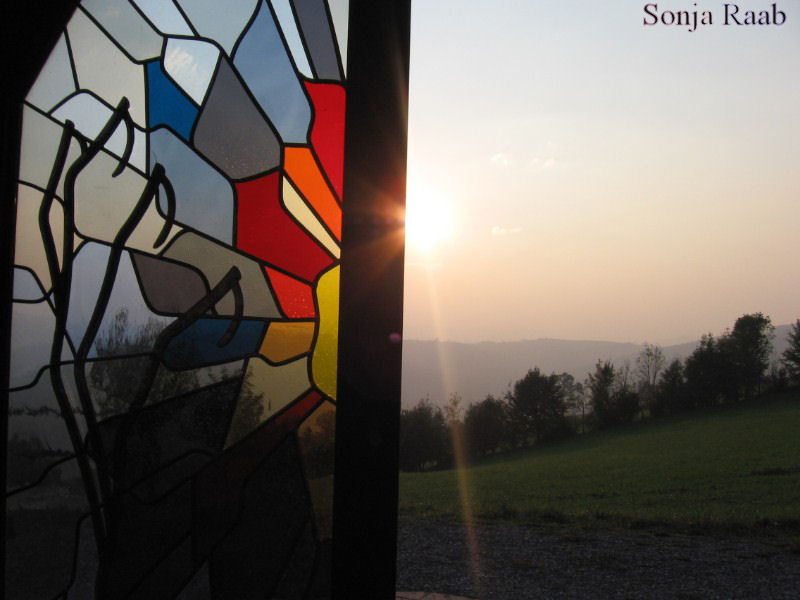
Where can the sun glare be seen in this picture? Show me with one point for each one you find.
(429, 220)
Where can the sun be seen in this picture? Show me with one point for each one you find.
(429, 219)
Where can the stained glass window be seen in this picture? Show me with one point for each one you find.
(173, 362)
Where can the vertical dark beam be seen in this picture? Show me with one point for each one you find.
(371, 301)
(28, 31)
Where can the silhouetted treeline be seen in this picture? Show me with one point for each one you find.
(723, 370)
(538, 408)
(424, 438)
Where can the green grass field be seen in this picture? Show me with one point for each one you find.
(728, 468)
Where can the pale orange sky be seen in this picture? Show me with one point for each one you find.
(604, 180)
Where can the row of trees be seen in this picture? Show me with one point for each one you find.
(535, 410)
(728, 369)
(539, 407)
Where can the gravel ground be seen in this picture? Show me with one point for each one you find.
(568, 562)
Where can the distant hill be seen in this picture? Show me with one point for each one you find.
(434, 369)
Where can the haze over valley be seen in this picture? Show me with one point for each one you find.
(434, 369)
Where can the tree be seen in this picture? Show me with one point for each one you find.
(574, 396)
(649, 365)
(790, 359)
(731, 367)
(613, 399)
(452, 410)
(708, 373)
(457, 450)
(486, 426)
(670, 393)
(538, 408)
(423, 437)
(751, 341)
(777, 378)
(600, 385)
(625, 399)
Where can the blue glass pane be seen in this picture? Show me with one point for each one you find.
(167, 104)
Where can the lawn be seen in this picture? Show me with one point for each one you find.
(734, 467)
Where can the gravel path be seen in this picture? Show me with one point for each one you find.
(528, 562)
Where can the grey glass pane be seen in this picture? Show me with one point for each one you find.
(55, 81)
(220, 21)
(26, 288)
(283, 11)
(90, 115)
(203, 196)
(169, 287)
(40, 137)
(316, 29)
(164, 16)
(31, 331)
(34, 413)
(127, 27)
(263, 61)
(103, 68)
(340, 11)
(231, 131)
(217, 260)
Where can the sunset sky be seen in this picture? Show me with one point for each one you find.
(586, 177)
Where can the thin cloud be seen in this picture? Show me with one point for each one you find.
(501, 159)
(545, 164)
(498, 231)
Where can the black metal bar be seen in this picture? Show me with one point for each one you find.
(371, 301)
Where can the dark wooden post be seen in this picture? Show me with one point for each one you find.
(371, 301)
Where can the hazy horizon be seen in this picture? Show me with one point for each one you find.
(586, 177)
(666, 342)
(436, 369)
